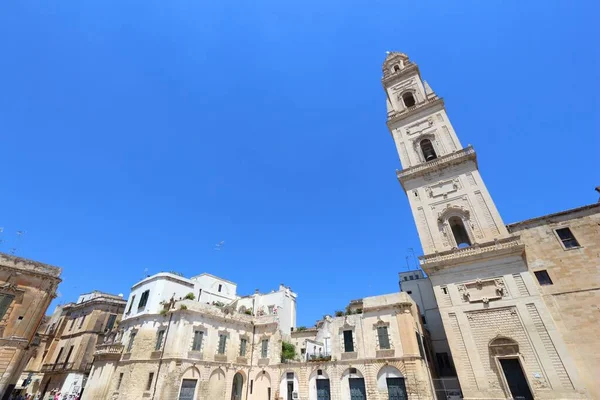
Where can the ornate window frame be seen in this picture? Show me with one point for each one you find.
(456, 211)
(437, 147)
(382, 324)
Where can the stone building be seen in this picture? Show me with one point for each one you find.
(504, 340)
(187, 349)
(26, 289)
(562, 252)
(70, 339)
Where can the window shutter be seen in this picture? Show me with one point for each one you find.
(384, 340)
(197, 344)
(5, 300)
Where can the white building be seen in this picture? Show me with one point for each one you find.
(419, 288)
(151, 294)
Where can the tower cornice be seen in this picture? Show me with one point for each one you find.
(458, 157)
(391, 77)
(396, 116)
(503, 247)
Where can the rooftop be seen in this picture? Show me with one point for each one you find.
(31, 266)
(517, 225)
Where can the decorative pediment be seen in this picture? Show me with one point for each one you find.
(503, 346)
(380, 323)
(452, 210)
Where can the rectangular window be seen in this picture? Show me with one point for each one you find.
(72, 323)
(130, 344)
(543, 277)
(420, 343)
(197, 343)
(348, 342)
(131, 304)
(188, 389)
(251, 386)
(423, 320)
(82, 321)
(150, 379)
(384, 339)
(222, 343)
(567, 238)
(111, 322)
(144, 299)
(445, 289)
(68, 355)
(159, 340)
(5, 301)
(264, 349)
(59, 354)
(271, 310)
(243, 344)
(120, 380)
(220, 287)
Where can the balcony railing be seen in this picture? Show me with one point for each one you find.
(67, 366)
(319, 357)
(109, 349)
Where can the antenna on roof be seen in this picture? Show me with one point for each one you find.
(412, 251)
(13, 250)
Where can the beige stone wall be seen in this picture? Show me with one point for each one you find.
(574, 297)
(31, 286)
(215, 375)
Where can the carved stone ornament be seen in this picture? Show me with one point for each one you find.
(419, 126)
(483, 291)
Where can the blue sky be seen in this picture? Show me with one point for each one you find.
(137, 134)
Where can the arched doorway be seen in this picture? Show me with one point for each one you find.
(506, 353)
(319, 386)
(288, 385)
(353, 385)
(236, 388)
(391, 380)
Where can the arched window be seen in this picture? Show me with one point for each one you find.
(409, 99)
(460, 232)
(396, 68)
(428, 150)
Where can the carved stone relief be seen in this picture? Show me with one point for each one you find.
(482, 291)
(419, 126)
(443, 188)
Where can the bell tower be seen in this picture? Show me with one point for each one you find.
(449, 200)
(501, 335)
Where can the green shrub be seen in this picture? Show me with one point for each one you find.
(339, 313)
(190, 296)
(300, 328)
(288, 351)
(183, 307)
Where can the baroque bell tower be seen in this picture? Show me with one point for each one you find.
(503, 340)
(449, 200)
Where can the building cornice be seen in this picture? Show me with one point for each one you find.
(396, 116)
(443, 162)
(389, 78)
(32, 267)
(510, 246)
(521, 224)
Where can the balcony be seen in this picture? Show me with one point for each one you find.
(321, 357)
(67, 367)
(109, 351)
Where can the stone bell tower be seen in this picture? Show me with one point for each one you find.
(503, 340)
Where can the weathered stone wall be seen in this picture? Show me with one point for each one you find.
(573, 299)
(31, 286)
